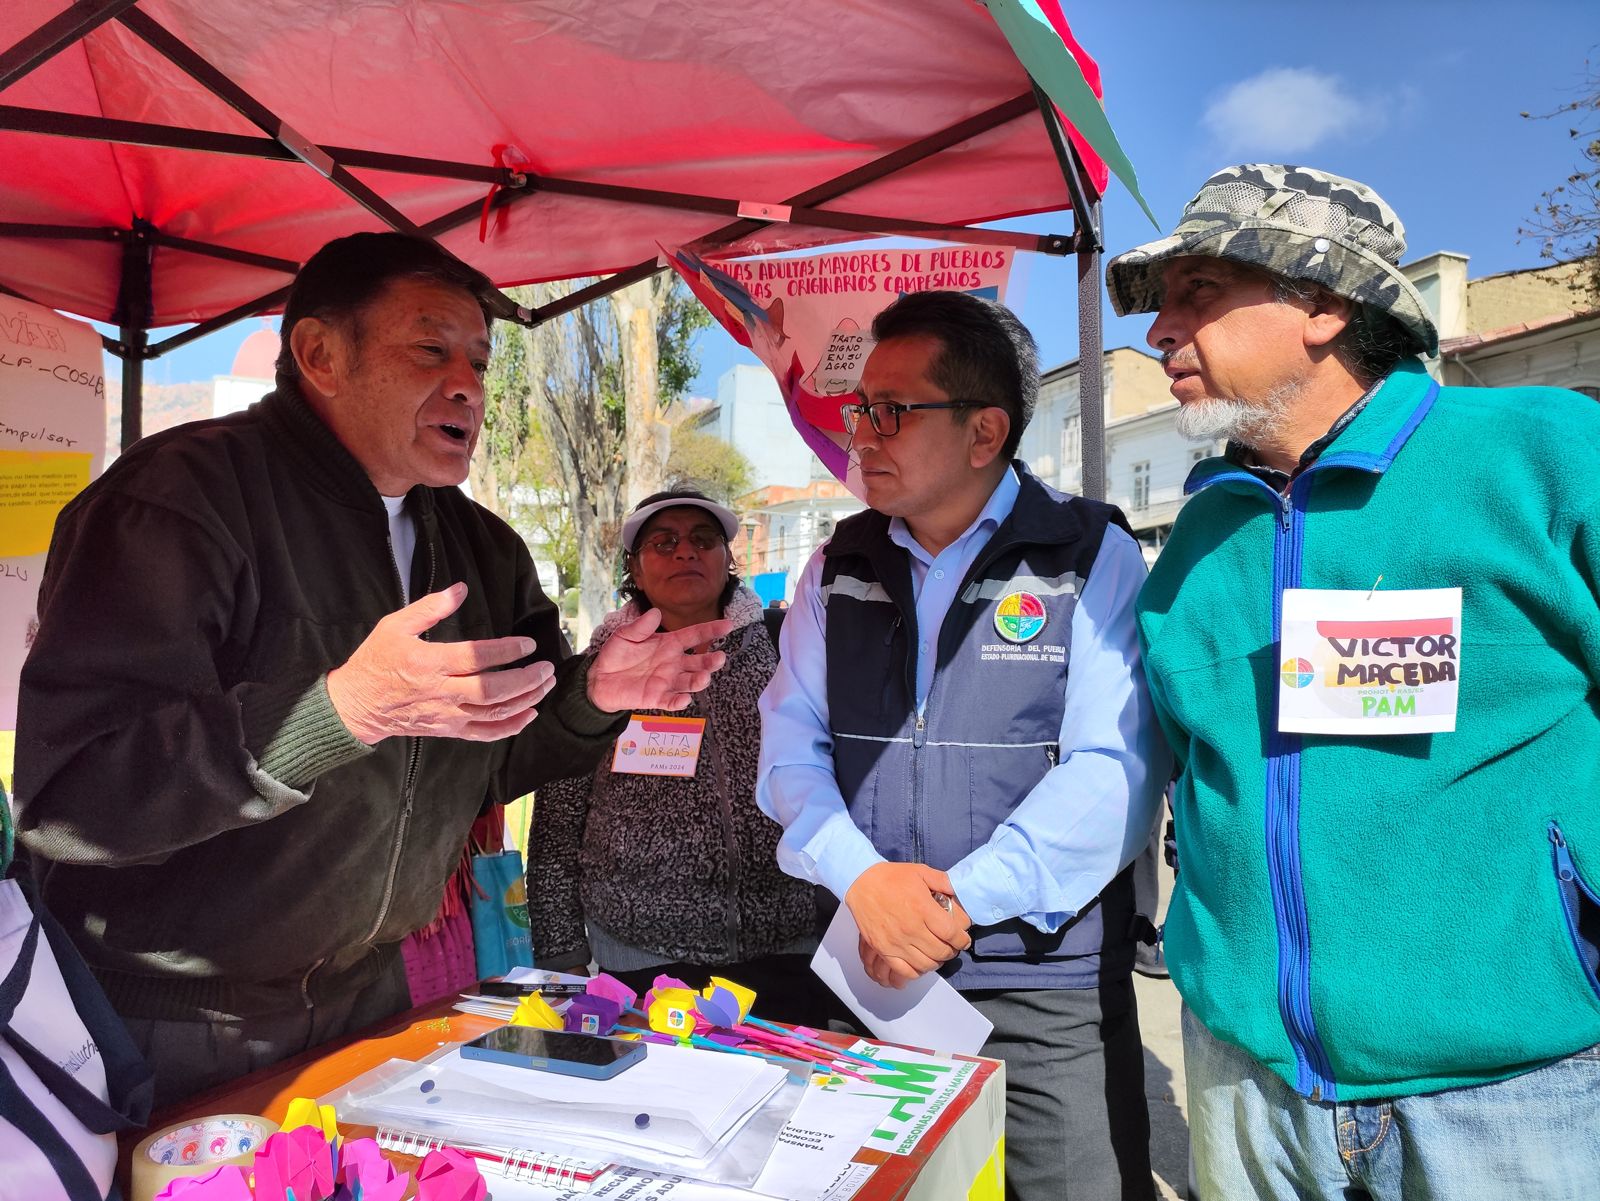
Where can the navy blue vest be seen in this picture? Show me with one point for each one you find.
(933, 789)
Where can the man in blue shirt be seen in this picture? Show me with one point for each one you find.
(959, 744)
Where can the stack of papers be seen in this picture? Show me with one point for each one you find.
(680, 1110)
(501, 1008)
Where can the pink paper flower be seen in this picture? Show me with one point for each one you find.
(603, 985)
(227, 1183)
(362, 1164)
(296, 1159)
(450, 1175)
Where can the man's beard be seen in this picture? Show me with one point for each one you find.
(1248, 422)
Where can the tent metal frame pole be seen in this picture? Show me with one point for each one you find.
(134, 307)
(210, 250)
(66, 233)
(1088, 241)
(878, 168)
(55, 35)
(221, 321)
(176, 137)
(156, 36)
(91, 233)
(53, 124)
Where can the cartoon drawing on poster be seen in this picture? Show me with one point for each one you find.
(1354, 662)
(810, 319)
(52, 443)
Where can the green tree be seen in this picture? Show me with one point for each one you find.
(592, 425)
(1567, 218)
(704, 461)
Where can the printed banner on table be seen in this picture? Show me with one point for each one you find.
(810, 319)
(920, 1086)
(52, 443)
(1354, 662)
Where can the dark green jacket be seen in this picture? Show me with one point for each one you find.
(197, 815)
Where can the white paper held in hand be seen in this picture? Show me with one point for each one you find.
(928, 1012)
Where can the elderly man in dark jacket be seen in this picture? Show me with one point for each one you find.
(282, 664)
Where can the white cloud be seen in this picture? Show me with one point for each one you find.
(1283, 110)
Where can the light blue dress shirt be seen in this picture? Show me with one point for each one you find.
(1081, 824)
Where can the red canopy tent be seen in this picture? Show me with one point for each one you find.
(171, 161)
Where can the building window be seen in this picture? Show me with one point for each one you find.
(1071, 445)
(1141, 485)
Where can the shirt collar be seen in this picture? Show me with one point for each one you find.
(1244, 457)
(1001, 501)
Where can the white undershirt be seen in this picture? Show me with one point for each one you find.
(402, 540)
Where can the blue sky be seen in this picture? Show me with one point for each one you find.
(1418, 98)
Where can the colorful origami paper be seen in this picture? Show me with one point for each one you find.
(603, 985)
(718, 1007)
(450, 1175)
(588, 1014)
(294, 1160)
(535, 1011)
(671, 1011)
(303, 1111)
(744, 997)
(227, 1183)
(368, 1176)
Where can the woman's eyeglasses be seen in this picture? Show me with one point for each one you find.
(885, 414)
(666, 543)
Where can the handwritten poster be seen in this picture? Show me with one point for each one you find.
(810, 319)
(52, 443)
(1361, 663)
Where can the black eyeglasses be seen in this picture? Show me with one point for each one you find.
(885, 414)
(666, 543)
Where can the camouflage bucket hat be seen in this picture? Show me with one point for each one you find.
(1296, 222)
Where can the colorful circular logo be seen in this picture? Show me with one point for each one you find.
(1019, 617)
(629, 747)
(1298, 673)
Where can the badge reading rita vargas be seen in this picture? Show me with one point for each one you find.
(1353, 662)
(659, 746)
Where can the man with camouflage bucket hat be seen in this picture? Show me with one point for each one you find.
(1386, 928)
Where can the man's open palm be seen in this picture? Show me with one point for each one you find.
(644, 667)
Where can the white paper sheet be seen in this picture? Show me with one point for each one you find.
(928, 1012)
(811, 1161)
(815, 1148)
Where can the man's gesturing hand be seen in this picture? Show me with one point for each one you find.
(639, 668)
(396, 683)
(904, 931)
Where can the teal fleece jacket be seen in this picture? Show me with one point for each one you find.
(1384, 916)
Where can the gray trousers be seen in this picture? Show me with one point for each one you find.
(1077, 1126)
(192, 1056)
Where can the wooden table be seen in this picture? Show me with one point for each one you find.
(959, 1157)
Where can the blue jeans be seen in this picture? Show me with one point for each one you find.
(1535, 1137)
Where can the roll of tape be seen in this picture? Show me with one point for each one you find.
(194, 1148)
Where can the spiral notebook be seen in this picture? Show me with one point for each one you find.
(523, 1164)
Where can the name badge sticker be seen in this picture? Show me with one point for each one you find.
(1363, 663)
(659, 746)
